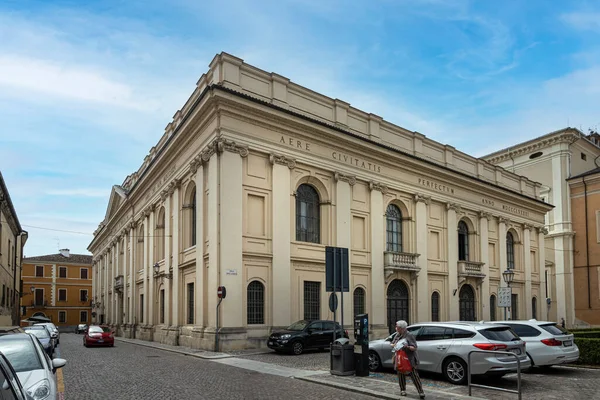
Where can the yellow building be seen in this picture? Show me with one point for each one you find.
(59, 287)
(256, 176)
(12, 240)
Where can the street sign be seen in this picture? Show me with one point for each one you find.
(221, 292)
(333, 302)
(504, 297)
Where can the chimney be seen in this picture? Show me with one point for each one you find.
(64, 252)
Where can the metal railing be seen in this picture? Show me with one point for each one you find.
(506, 353)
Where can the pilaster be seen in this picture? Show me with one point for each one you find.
(144, 313)
(344, 234)
(378, 307)
(132, 275)
(527, 250)
(484, 220)
(452, 262)
(543, 283)
(167, 239)
(150, 264)
(176, 318)
(503, 260)
(422, 295)
(199, 287)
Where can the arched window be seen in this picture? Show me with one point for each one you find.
(510, 251)
(308, 214)
(492, 308)
(193, 224)
(159, 236)
(256, 303)
(393, 217)
(466, 304)
(359, 301)
(435, 307)
(534, 308)
(463, 241)
(139, 253)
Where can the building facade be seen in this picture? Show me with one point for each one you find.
(585, 207)
(551, 160)
(59, 287)
(12, 240)
(256, 175)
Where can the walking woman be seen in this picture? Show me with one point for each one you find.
(410, 348)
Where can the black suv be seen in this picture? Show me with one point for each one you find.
(304, 334)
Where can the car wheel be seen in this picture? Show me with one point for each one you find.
(374, 361)
(455, 371)
(297, 348)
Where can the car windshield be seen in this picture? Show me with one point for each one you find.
(500, 334)
(22, 354)
(297, 326)
(554, 329)
(98, 329)
(40, 333)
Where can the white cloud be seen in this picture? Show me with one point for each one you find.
(66, 80)
(583, 20)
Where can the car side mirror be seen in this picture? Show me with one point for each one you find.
(58, 363)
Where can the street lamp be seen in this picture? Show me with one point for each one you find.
(156, 268)
(32, 289)
(508, 277)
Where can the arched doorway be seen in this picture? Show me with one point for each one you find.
(397, 303)
(467, 303)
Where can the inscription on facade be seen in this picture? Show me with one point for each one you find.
(515, 210)
(435, 186)
(160, 182)
(295, 143)
(487, 202)
(357, 162)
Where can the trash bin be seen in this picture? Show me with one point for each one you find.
(342, 357)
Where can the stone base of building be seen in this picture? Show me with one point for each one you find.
(128, 331)
(145, 332)
(167, 335)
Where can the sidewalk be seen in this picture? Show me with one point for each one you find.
(365, 385)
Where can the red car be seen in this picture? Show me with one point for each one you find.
(98, 335)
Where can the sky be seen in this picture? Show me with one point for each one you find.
(87, 88)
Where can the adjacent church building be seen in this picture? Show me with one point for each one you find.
(256, 175)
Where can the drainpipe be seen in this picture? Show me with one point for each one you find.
(22, 234)
(587, 244)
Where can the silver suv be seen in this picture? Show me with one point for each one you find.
(444, 348)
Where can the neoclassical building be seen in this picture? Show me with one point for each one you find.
(256, 175)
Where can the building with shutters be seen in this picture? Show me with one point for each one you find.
(58, 287)
(256, 175)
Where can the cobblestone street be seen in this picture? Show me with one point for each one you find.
(128, 371)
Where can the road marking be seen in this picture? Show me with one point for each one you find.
(60, 383)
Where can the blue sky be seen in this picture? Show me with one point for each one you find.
(86, 88)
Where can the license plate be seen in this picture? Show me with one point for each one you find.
(568, 343)
(516, 351)
(100, 341)
(271, 343)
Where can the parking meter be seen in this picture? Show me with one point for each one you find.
(361, 347)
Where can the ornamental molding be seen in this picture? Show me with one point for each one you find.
(542, 230)
(338, 176)
(378, 186)
(421, 198)
(231, 146)
(453, 206)
(528, 227)
(196, 163)
(505, 221)
(282, 160)
(485, 214)
(567, 137)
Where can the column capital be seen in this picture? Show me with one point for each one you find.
(542, 229)
(223, 144)
(453, 206)
(282, 160)
(195, 163)
(338, 176)
(378, 186)
(527, 227)
(484, 214)
(421, 198)
(503, 220)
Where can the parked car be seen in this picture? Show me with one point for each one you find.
(34, 368)
(98, 335)
(81, 328)
(547, 342)
(53, 331)
(444, 348)
(4, 330)
(9, 382)
(43, 336)
(302, 335)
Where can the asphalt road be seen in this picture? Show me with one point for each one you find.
(128, 371)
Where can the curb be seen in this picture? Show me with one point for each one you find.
(353, 389)
(203, 356)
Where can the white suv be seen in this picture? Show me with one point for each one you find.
(547, 343)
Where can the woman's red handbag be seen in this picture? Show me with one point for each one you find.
(402, 362)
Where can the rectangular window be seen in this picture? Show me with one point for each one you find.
(62, 272)
(514, 307)
(312, 300)
(583, 157)
(83, 316)
(162, 306)
(190, 303)
(39, 271)
(141, 308)
(83, 273)
(62, 294)
(62, 317)
(83, 295)
(39, 297)
(3, 294)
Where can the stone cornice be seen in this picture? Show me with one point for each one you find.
(338, 176)
(566, 137)
(421, 198)
(378, 186)
(282, 160)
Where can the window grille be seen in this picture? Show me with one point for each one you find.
(162, 306)
(393, 217)
(190, 303)
(534, 308)
(463, 241)
(193, 224)
(308, 214)
(312, 300)
(359, 301)
(435, 306)
(492, 308)
(256, 303)
(510, 251)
